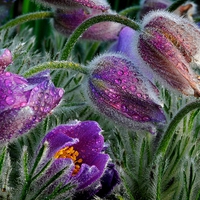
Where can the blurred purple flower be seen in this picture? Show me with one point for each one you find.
(25, 102)
(79, 146)
(149, 5)
(118, 90)
(5, 59)
(70, 4)
(169, 45)
(66, 21)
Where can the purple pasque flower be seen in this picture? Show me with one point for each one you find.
(71, 4)
(149, 5)
(5, 59)
(118, 90)
(66, 21)
(25, 102)
(78, 145)
(169, 45)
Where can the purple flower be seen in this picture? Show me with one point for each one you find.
(79, 146)
(70, 4)
(169, 45)
(66, 21)
(5, 59)
(118, 90)
(25, 102)
(149, 5)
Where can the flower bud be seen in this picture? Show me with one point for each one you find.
(5, 59)
(149, 5)
(118, 90)
(169, 45)
(67, 21)
(64, 4)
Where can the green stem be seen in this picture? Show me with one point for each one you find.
(56, 65)
(26, 18)
(172, 127)
(91, 21)
(131, 9)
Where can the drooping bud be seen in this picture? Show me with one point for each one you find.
(64, 4)
(169, 45)
(67, 21)
(149, 5)
(120, 92)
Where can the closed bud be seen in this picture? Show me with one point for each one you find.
(169, 45)
(120, 92)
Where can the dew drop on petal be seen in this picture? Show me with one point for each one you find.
(10, 100)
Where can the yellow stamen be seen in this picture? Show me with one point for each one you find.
(69, 152)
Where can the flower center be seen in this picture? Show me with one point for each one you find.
(69, 152)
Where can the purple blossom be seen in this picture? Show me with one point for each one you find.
(66, 21)
(169, 45)
(71, 4)
(25, 102)
(118, 90)
(78, 145)
(149, 5)
(5, 59)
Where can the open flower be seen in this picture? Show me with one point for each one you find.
(169, 45)
(66, 21)
(118, 90)
(70, 4)
(25, 102)
(5, 59)
(78, 146)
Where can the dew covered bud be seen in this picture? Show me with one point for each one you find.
(169, 45)
(118, 90)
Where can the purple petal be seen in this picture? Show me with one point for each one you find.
(109, 180)
(14, 122)
(5, 59)
(64, 165)
(125, 42)
(91, 141)
(86, 175)
(43, 98)
(57, 140)
(39, 78)
(12, 91)
(34, 98)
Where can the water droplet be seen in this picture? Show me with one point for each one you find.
(118, 81)
(10, 100)
(133, 88)
(139, 95)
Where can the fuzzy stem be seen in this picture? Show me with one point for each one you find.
(56, 65)
(128, 10)
(26, 18)
(91, 21)
(163, 146)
